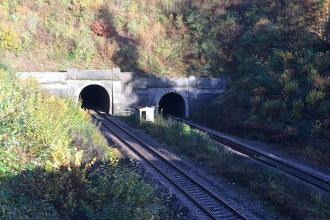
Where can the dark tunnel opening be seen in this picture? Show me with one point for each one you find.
(95, 97)
(173, 104)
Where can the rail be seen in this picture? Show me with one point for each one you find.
(209, 203)
(308, 176)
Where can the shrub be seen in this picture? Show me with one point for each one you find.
(297, 109)
(314, 97)
(55, 164)
(318, 81)
(324, 109)
(280, 59)
(178, 134)
(9, 38)
(101, 28)
(274, 188)
(272, 108)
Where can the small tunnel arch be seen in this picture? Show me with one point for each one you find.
(173, 104)
(95, 97)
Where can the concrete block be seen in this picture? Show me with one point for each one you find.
(74, 74)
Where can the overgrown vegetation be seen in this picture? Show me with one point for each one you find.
(276, 53)
(55, 164)
(292, 200)
(279, 66)
(55, 35)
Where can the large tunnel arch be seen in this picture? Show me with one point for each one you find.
(174, 104)
(95, 97)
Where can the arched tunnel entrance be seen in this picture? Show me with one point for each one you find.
(95, 97)
(173, 104)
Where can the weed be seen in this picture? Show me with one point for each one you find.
(55, 164)
(276, 189)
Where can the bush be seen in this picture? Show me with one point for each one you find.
(325, 109)
(277, 65)
(314, 97)
(9, 38)
(272, 109)
(178, 134)
(55, 164)
(277, 190)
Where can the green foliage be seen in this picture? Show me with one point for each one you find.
(54, 40)
(277, 190)
(55, 164)
(278, 64)
(178, 134)
(124, 206)
(16, 206)
(314, 97)
(325, 109)
(275, 52)
(297, 109)
(272, 108)
(9, 38)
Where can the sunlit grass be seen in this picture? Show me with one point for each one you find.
(283, 194)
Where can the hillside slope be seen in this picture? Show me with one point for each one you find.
(280, 87)
(169, 37)
(61, 34)
(276, 52)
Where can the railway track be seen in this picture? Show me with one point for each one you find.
(307, 175)
(208, 203)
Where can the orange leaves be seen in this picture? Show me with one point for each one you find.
(101, 28)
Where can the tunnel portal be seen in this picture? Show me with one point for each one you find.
(173, 104)
(95, 97)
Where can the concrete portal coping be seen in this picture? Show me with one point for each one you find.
(75, 74)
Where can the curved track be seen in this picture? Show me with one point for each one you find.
(307, 175)
(210, 204)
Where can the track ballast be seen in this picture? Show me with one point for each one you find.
(288, 167)
(210, 204)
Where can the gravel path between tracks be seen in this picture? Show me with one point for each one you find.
(236, 196)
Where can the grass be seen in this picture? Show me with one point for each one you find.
(316, 154)
(49, 35)
(291, 199)
(55, 164)
(56, 35)
(277, 63)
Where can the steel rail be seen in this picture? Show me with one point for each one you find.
(176, 169)
(291, 169)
